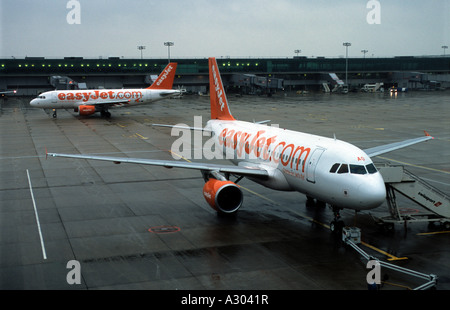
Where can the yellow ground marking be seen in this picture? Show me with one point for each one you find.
(434, 233)
(173, 153)
(142, 137)
(391, 257)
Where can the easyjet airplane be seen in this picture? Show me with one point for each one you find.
(325, 169)
(87, 102)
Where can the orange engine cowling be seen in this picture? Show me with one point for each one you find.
(223, 196)
(86, 109)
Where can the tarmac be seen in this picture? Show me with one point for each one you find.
(141, 227)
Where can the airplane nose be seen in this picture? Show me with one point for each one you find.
(374, 193)
(33, 102)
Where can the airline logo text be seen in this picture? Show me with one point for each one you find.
(260, 147)
(219, 90)
(164, 75)
(101, 95)
(235, 144)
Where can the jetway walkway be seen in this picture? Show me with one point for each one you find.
(400, 180)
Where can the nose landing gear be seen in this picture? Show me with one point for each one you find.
(337, 224)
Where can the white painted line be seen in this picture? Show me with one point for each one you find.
(44, 254)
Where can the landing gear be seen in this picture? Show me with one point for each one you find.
(311, 202)
(105, 113)
(54, 113)
(337, 224)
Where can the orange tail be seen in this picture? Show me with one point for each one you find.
(218, 99)
(165, 79)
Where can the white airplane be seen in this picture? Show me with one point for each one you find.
(326, 169)
(88, 102)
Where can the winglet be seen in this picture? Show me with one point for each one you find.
(427, 134)
(165, 79)
(218, 98)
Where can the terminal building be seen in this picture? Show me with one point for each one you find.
(33, 75)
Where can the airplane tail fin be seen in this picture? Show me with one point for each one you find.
(165, 79)
(218, 98)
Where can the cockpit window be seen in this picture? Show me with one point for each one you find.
(354, 169)
(343, 169)
(358, 169)
(334, 168)
(41, 97)
(371, 168)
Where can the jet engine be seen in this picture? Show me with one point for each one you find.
(86, 109)
(223, 196)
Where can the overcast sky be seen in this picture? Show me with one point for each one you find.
(235, 28)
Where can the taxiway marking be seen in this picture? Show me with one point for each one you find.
(434, 233)
(44, 254)
(391, 257)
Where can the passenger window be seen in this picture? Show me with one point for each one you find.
(371, 168)
(343, 169)
(334, 168)
(357, 169)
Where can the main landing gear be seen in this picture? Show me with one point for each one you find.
(105, 113)
(337, 224)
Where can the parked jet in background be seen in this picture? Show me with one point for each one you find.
(87, 102)
(5, 92)
(325, 169)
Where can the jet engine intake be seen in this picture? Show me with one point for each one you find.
(223, 196)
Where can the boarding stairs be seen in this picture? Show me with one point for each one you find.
(399, 180)
(339, 84)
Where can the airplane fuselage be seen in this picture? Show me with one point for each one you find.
(329, 170)
(69, 99)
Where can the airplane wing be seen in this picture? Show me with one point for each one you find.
(110, 102)
(378, 150)
(243, 170)
(183, 127)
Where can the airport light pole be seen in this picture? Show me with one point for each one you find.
(444, 47)
(364, 61)
(141, 48)
(364, 51)
(346, 44)
(168, 44)
(297, 52)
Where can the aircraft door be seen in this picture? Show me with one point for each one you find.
(53, 97)
(312, 164)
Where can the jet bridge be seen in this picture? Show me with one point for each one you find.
(399, 180)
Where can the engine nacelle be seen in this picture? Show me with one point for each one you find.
(223, 196)
(86, 109)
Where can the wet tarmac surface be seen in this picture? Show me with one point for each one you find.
(142, 227)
